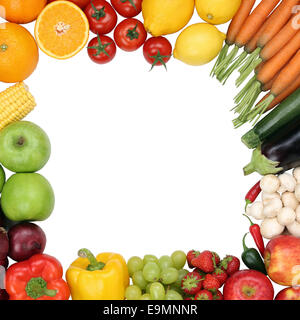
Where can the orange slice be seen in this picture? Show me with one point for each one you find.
(61, 30)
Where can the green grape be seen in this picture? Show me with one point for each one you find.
(148, 287)
(146, 296)
(165, 262)
(181, 274)
(169, 275)
(133, 293)
(151, 272)
(134, 264)
(173, 295)
(149, 258)
(139, 280)
(174, 287)
(179, 259)
(157, 291)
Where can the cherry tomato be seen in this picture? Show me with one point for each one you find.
(102, 49)
(157, 51)
(127, 8)
(130, 34)
(101, 15)
(81, 3)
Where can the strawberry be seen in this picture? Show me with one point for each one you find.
(230, 264)
(217, 295)
(202, 274)
(192, 283)
(211, 283)
(221, 275)
(192, 254)
(204, 295)
(206, 261)
(190, 298)
(217, 258)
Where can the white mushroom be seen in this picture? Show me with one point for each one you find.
(297, 192)
(286, 216)
(256, 210)
(289, 200)
(294, 229)
(271, 228)
(296, 173)
(298, 213)
(269, 183)
(266, 197)
(287, 183)
(272, 208)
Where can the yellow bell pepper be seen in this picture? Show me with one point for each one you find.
(104, 277)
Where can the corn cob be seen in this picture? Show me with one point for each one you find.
(15, 103)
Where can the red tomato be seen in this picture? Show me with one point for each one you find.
(130, 34)
(102, 49)
(157, 51)
(101, 15)
(81, 3)
(127, 8)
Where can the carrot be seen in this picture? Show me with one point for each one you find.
(273, 37)
(249, 28)
(286, 78)
(234, 27)
(288, 91)
(247, 97)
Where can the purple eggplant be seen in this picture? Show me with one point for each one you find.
(25, 240)
(279, 153)
(4, 244)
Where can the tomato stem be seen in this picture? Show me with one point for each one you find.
(100, 47)
(158, 58)
(132, 33)
(131, 2)
(98, 13)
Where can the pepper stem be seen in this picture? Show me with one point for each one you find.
(37, 287)
(244, 242)
(249, 219)
(94, 263)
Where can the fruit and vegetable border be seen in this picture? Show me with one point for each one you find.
(262, 44)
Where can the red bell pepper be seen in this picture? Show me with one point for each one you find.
(38, 278)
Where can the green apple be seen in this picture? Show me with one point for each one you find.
(2, 178)
(27, 196)
(24, 147)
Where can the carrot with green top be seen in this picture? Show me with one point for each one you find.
(286, 78)
(269, 70)
(234, 28)
(277, 32)
(249, 28)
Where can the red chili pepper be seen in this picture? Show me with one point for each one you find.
(256, 235)
(252, 194)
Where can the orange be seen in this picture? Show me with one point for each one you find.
(62, 29)
(19, 53)
(21, 11)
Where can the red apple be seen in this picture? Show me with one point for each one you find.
(282, 260)
(248, 285)
(291, 293)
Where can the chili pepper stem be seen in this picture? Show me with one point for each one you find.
(94, 263)
(244, 242)
(252, 224)
(248, 202)
(37, 287)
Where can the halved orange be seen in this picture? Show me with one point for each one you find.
(61, 30)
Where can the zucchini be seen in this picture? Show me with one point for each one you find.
(287, 113)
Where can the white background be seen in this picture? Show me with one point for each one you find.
(142, 162)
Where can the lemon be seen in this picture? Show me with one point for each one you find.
(198, 44)
(217, 11)
(163, 17)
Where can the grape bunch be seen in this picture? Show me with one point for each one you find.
(156, 279)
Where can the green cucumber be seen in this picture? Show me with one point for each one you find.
(288, 112)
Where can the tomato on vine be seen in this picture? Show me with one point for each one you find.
(127, 8)
(130, 34)
(101, 15)
(102, 49)
(157, 51)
